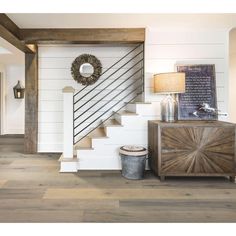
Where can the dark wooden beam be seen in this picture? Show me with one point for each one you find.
(101, 35)
(7, 23)
(31, 102)
(12, 33)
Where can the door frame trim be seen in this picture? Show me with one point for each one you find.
(2, 105)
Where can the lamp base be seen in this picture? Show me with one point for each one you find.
(169, 109)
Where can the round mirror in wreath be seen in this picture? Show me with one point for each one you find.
(86, 69)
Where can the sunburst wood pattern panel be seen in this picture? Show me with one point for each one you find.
(190, 148)
(197, 150)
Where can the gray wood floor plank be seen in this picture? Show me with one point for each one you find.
(32, 190)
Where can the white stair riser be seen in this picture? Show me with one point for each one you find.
(144, 109)
(127, 120)
(123, 119)
(102, 163)
(99, 163)
(117, 117)
(67, 166)
(111, 129)
(131, 107)
(127, 140)
(140, 123)
(140, 127)
(91, 153)
(122, 133)
(109, 149)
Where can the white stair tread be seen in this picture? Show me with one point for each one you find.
(62, 159)
(139, 103)
(112, 123)
(84, 148)
(98, 132)
(127, 113)
(84, 143)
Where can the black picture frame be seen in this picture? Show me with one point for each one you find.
(200, 89)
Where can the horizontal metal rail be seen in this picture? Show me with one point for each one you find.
(108, 85)
(90, 131)
(110, 67)
(107, 110)
(111, 75)
(106, 94)
(107, 103)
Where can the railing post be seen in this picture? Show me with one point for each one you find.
(68, 93)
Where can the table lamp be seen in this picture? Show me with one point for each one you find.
(170, 84)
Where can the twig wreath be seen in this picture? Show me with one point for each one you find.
(78, 62)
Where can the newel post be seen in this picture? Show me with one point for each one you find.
(68, 93)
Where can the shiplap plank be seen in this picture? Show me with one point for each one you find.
(50, 95)
(50, 116)
(65, 73)
(50, 147)
(65, 62)
(51, 138)
(169, 64)
(74, 51)
(55, 85)
(51, 128)
(185, 51)
(154, 36)
(91, 105)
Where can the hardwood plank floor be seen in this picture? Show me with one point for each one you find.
(32, 190)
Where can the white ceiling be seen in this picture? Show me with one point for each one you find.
(56, 20)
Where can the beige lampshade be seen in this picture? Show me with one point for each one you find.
(173, 82)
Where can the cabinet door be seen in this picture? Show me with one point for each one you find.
(196, 150)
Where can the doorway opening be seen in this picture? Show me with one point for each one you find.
(12, 110)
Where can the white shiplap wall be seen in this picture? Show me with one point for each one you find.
(54, 75)
(163, 50)
(166, 48)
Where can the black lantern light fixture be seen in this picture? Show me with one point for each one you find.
(18, 91)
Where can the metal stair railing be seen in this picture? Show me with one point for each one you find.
(107, 85)
(105, 103)
(125, 56)
(102, 122)
(89, 128)
(106, 94)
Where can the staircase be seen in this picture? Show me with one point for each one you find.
(100, 149)
(106, 115)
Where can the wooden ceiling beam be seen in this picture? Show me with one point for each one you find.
(89, 35)
(12, 33)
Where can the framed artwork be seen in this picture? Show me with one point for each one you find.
(199, 102)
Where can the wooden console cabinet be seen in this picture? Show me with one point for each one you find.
(192, 148)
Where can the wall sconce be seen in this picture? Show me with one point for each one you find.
(18, 91)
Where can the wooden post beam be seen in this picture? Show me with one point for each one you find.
(12, 33)
(31, 102)
(89, 35)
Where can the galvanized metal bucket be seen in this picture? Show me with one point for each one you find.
(133, 162)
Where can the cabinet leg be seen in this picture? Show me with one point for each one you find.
(162, 178)
(232, 179)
